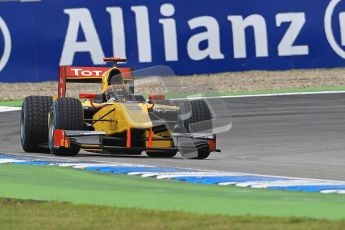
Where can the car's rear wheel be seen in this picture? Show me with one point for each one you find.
(197, 150)
(203, 153)
(199, 121)
(34, 123)
(195, 117)
(66, 114)
(167, 154)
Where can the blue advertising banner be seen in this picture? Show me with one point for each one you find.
(191, 37)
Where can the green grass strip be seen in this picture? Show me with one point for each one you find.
(17, 103)
(81, 187)
(32, 215)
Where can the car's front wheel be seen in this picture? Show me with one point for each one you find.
(66, 114)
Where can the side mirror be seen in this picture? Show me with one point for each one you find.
(90, 96)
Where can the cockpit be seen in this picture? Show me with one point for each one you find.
(117, 92)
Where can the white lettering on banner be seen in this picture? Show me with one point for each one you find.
(239, 24)
(286, 47)
(7, 44)
(342, 26)
(143, 33)
(211, 35)
(329, 31)
(118, 31)
(81, 19)
(169, 31)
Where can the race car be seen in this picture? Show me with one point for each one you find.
(115, 120)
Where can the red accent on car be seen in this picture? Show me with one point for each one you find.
(153, 98)
(62, 82)
(127, 73)
(60, 140)
(151, 107)
(87, 74)
(150, 138)
(212, 145)
(90, 96)
(129, 138)
(92, 72)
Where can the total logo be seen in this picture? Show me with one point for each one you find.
(87, 72)
(5, 55)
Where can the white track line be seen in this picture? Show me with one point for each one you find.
(6, 161)
(283, 183)
(265, 95)
(168, 175)
(86, 165)
(198, 174)
(4, 109)
(333, 191)
(286, 94)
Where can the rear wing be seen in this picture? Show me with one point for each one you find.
(90, 75)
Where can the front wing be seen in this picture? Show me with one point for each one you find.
(93, 140)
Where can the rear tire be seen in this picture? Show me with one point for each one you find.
(34, 123)
(161, 154)
(201, 117)
(199, 121)
(203, 153)
(66, 114)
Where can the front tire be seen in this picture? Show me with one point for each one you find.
(34, 123)
(66, 114)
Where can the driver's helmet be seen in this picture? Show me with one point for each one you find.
(115, 77)
(117, 92)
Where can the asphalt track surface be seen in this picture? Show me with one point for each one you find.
(296, 135)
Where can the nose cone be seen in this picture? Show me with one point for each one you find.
(137, 116)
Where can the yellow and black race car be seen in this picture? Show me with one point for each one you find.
(116, 120)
